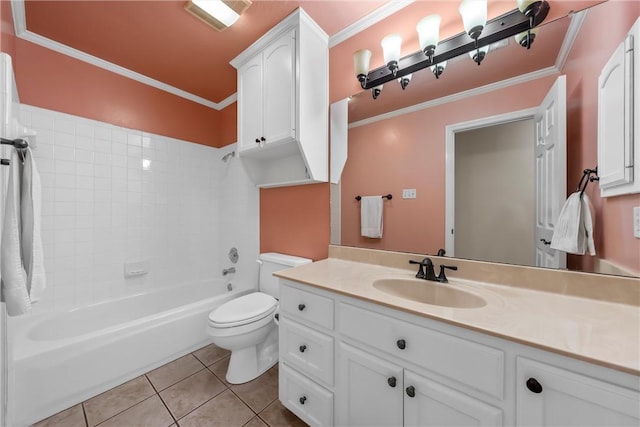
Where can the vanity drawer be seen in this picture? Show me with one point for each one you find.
(306, 306)
(475, 365)
(309, 351)
(312, 403)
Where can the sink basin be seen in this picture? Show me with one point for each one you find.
(427, 292)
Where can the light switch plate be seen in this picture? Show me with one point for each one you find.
(409, 193)
(636, 222)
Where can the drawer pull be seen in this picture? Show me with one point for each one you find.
(257, 141)
(411, 391)
(303, 399)
(534, 386)
(301, 307)
(391, 381)
(302, 348)
(402, 344)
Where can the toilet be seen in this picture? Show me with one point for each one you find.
(246, 325)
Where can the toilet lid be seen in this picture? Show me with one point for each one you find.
(243, 310)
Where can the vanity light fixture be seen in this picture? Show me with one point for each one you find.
(220, 14)
(479, 33)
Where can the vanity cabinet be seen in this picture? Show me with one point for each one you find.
(552, 396)
(283, 104)
(396, 368)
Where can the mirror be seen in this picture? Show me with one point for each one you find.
(397, 142)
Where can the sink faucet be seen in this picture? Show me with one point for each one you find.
(426, 270)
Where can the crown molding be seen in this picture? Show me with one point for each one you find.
(367, 21)
(20, 28)
(570, 37)
(458, 96)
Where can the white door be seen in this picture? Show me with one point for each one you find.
(550, 157)
(550, 396)
(429, 403)
(250, 104)
(370, 390)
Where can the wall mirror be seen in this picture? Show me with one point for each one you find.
(398, 142)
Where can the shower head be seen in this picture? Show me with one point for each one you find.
(225, 158)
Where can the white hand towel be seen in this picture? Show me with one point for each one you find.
(14, 278)
(573, 232)
(371, 216)
(32, 257)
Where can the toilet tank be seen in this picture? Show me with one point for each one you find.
(270, 263)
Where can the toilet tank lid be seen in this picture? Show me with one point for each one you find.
(288, 260)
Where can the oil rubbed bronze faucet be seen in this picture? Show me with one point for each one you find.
(426, 270)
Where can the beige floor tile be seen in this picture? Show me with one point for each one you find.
(226, 410)
(220, 369)
(188, 394)
(150, 412)
(259, 393)
(211, 354)
(255, 422)
(72, 417)
(116, 400)
(175, 371)
(277, 415)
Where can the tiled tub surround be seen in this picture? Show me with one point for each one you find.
(189, 391)
(113, 196)
(575, 319)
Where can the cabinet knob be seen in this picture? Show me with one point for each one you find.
(391, 381)
(301, 307)
(262, 139)
(534, 386)
(411, 391)
(257, 141)
(402, 344)
(302, 348)
(303, 399)
(545, 241)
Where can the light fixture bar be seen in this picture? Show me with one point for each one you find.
(500, 28)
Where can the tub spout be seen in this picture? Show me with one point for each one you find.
(229, 270)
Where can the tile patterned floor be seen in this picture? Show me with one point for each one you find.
(188, 392)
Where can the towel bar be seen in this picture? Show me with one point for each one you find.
(388, 197)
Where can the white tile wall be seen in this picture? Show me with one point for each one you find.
(112, 195)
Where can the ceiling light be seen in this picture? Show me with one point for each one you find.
(220, 14)
(361, 60)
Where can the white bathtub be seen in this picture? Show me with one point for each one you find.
(63, 358)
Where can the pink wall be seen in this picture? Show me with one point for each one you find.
(614, 215)
(413, 147)
(7, 36)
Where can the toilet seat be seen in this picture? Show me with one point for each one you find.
(244, 310)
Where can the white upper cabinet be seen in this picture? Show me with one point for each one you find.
(618, 123)
(283, 104)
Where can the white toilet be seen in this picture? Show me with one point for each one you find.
(246, 325)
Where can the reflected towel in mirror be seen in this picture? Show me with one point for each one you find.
(371, 216)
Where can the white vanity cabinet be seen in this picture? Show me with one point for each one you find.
(396, 368)
(283, 108)
(551, 396)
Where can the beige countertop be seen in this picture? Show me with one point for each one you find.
(596, 331)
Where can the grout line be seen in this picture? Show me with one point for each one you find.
(161, 399)
(125, 410)
(84, 413)
(202, 404)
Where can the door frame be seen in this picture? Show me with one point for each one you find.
(450, 172)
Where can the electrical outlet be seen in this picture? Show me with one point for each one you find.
(409, 193)
(636, 222)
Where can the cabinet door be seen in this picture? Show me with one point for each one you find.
(615, 119)
(428, 403)
(250, 104)
(279, 89)
(570, 399)
(370, 390)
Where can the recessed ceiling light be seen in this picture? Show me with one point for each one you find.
(220, 14)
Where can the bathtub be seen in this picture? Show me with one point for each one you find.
(63, 358)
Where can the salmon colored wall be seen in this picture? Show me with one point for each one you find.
(412, 146)
(295, 220)
(614, 215)
(228, 125)
(7, 36)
